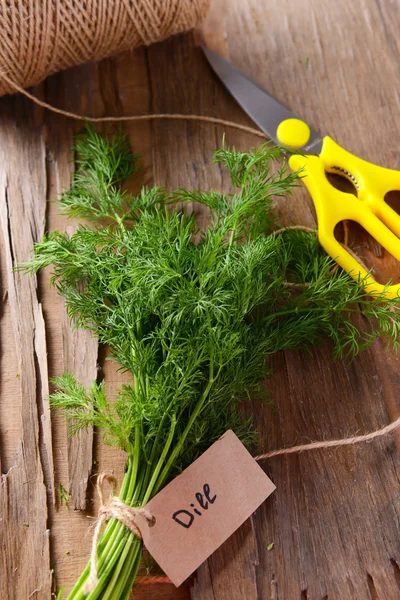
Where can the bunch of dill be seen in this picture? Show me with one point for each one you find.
(195, 322)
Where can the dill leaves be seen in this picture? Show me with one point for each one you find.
(194, 323)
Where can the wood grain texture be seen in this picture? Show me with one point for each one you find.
(335, 517)
(27, 481)
(79, 348)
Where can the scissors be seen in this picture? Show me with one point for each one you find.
(316, 156)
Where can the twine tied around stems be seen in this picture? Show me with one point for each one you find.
(117, 509)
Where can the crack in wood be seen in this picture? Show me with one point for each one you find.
(274, 589)
(396, 570)
(256, 560)
(43, 406)
(371, 586)
(9, 229)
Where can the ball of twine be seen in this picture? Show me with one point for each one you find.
(39, 38)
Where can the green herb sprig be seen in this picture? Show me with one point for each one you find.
(193, 315)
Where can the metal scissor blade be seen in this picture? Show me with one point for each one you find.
(267, 112)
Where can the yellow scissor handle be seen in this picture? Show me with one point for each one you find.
(368, 208)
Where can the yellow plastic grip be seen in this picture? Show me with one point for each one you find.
(368, 208)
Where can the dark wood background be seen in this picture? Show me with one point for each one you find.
(334, 520)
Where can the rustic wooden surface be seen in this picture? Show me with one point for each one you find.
(335, 517)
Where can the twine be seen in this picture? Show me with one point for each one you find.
(39, 38)
(117, 509)
(368, 437)
(127, 514)
(295, 227)
(151, 117)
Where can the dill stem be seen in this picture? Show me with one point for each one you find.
(232, 238)
(177, 450)
(307, 309)
(132, 550)
(120, 552)
(114, 529)
(161, 461)
(114, 537)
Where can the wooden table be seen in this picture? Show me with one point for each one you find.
(334, 520)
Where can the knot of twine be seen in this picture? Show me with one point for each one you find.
(117, 509)
(41, 38)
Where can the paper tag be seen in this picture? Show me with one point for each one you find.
(202, 507)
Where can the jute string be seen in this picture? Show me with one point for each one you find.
(113, 508)
(151, 117)
(128, 515)
(39, 38)
(368, 437)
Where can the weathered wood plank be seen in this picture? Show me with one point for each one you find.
(79, 348)
(27, 486)
(214, 578)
